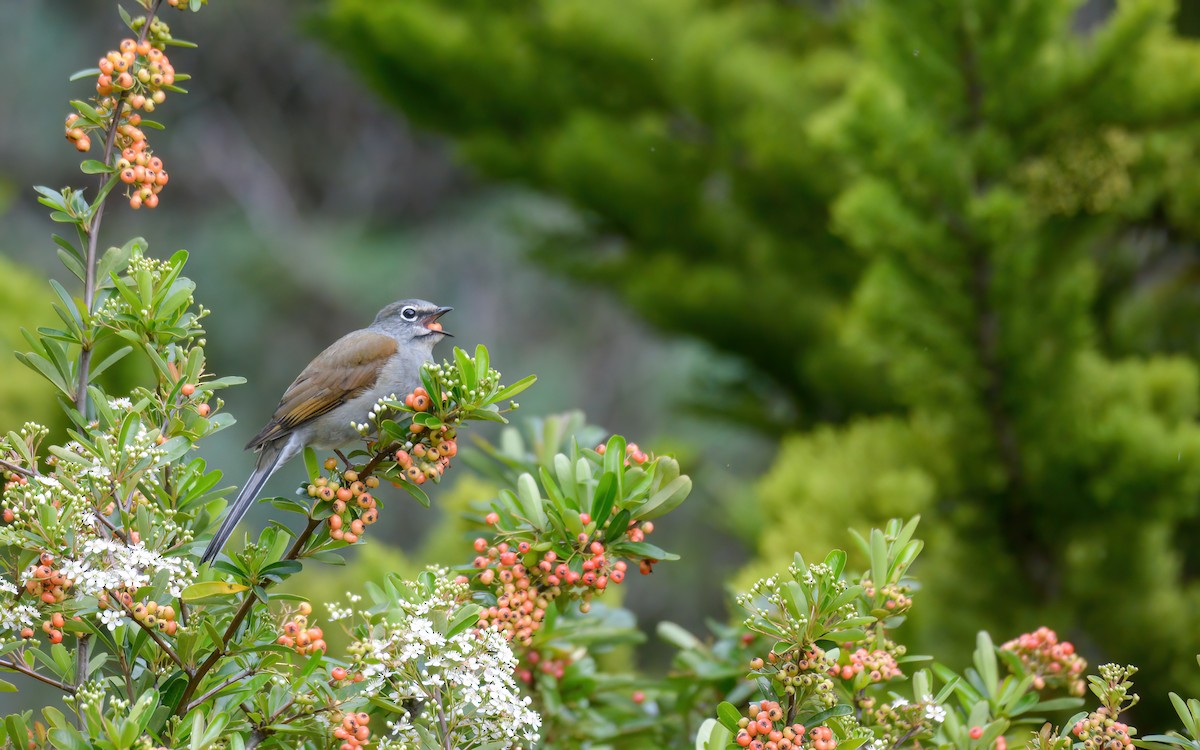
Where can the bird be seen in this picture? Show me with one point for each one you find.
(340, 386)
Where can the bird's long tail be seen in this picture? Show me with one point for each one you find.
(271, 457)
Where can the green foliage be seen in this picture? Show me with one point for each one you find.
(23, 395)
(938, 212)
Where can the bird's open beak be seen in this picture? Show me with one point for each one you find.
(431, 320)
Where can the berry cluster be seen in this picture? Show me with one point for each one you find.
(1052, 663)
(299, 636)
(140, 170)
(137, 67)
(803, 673)
(155, 615)
(1099, 730)
(533, 661)
(633, 454)
(340, 674)
(52, 628)
(353, 731)
(895, 597)
(521, 603)
(135, 76)
(150, 613)
(47, 582)
(879, 665)
(354, 509)
(427, 456)
(764, 728)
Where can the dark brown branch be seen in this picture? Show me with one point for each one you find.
(247, 604)
(17, 666)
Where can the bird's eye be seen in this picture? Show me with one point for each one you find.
(409, 313)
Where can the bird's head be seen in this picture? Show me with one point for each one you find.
(413, 319)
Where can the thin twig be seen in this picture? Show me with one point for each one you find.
(17, 666)
(17, 469)
(125, 670)
(200, 701)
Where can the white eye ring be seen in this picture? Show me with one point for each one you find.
(409, 313)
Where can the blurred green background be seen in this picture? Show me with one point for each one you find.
(851, 260)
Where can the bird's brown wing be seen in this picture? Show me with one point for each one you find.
(348, 367)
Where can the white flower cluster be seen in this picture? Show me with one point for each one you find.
(467, 679)
(111, 565)
(15, 616)
(464, 683)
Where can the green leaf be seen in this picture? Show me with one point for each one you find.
(509, 391)
(465, 617)
(605, 497)
(729, 716)
(531, 501)
(207, 589)
(713, 735)
(72, 264)
(110, 360)
(68, 738)
(311, 464)
(644, 549)
(678, 636)
(92, 166)
(840, 709)
(665, 500)
(466, 369)
(417, 493)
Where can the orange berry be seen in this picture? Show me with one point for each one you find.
(338, 673)
(26, 632)
(203, 409)
(56, 636)
(128, 177)
(83, 144)
(350, 538)
(492, 518)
